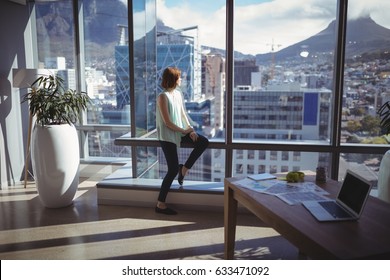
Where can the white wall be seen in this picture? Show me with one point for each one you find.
(16, 52)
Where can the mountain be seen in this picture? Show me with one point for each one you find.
(103, 16)
(101, 19)
(364, 35)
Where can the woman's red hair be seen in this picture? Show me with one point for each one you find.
(170, 77)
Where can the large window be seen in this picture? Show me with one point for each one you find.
(273, 91)
(106, 59)
(366, 83)
(105, 49)
(191, 36)
(283, 75)
(366, 78)
(56, 37)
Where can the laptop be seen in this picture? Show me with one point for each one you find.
(349, 203)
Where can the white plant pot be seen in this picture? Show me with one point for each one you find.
(384, 178)
(55, 161)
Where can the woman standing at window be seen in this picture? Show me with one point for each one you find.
(173, 128)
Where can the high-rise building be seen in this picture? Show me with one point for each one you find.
(145, 77)
(214, 86)
(175, 49)
(186, 58)
(243, 70)
(122, 75)
(69, 77)
(55, 63)
(201, 112)
(277, 115)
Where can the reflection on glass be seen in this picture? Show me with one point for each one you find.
(101, 144)
(144, 14)
(367, 165)
(106, 62)
(106, 75)
(192, 38)
(147, 163)
(210, 167)
(55, 38)
(258, 161)
(144, 55)
(366, 79)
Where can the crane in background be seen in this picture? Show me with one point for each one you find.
(273, 46)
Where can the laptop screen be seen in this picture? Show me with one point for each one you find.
(353, 192)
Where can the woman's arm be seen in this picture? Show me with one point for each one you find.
(185, 117)
(162, 103)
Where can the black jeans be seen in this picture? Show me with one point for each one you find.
(170, 152)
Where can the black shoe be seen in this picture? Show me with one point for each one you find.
(166, 211)
(180, 177)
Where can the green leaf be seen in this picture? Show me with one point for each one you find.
(50, 102)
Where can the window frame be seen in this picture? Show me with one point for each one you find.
(335, 148)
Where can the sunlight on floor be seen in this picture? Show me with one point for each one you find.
(87, 240)
(81, 229)
(88, 230)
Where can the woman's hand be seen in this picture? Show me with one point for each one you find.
(194, 136)
(188, 130)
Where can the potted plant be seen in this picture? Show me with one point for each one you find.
(384, 174)
(55, 154)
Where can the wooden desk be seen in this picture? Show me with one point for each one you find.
(367, 238)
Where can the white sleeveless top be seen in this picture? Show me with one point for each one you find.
(175, 107)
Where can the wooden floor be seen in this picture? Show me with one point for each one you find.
(87, 230)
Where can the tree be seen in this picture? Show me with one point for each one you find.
(359, 111)
(376, 140)
(353, 126)
(371, 125)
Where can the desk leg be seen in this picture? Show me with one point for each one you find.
(230, 221)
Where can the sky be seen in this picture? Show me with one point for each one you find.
(263, 25)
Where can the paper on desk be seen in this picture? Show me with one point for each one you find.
(294, 198)
(291, 193)
(261, 176)
(259, 186)
(281, 187)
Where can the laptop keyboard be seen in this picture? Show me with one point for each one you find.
(334, 209)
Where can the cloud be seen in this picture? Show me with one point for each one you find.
(377, 9)
(256, 27)
(141, 24)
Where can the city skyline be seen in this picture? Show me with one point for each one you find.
(262, 122)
